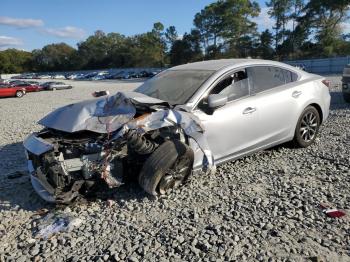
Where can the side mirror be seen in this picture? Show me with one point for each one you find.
(216, 100)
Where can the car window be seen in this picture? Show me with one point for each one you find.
(263, 78)
(346, 71)
(235, 86)
(175, 86)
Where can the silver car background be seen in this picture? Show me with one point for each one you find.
(191, 116)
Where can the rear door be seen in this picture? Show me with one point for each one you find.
(276, 102)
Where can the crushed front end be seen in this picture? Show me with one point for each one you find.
(103, 143)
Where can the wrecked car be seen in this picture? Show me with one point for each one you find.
(186, 119)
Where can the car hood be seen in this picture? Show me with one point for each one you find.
(102, 115)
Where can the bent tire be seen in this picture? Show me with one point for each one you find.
(307, 127)
(19, 94)
(346, 97)
(166, 168)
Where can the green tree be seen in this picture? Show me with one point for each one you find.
(53, 57)
(15, 61)
(228, 25)
(280, 10)
(324, 18)
(265, 49)
(171, 35)
(186, 50)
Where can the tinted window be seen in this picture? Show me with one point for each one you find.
(263, 78)
(235, 86)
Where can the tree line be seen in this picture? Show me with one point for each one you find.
(223, 29)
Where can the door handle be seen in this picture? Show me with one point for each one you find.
(296, 94)
(249, 110)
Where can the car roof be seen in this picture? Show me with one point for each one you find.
(217, 65)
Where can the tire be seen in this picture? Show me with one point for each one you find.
(346, 97)
(166, 168)
(307, 127)
(19, 94)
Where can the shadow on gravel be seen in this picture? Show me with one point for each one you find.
(337, 101)
(16, 191)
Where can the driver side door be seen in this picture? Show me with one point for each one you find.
(231, 129)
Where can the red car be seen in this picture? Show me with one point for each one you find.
(28, 87)
(8, 91)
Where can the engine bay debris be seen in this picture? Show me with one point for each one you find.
(106, 139)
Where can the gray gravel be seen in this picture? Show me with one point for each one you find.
(260, 208)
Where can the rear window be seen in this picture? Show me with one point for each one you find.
(346, 71)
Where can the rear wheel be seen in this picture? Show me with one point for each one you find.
(166, 168)
(346, 97)
(19, 94)
(307, 127)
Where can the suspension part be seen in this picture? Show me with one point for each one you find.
(139, 143)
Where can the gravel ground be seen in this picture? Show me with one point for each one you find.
(264, 207)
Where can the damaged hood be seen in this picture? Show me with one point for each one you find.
(103, 115)
(113, 113)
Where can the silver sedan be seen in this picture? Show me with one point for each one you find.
(187, 118)
(246, 105)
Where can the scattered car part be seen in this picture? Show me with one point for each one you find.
(100, 93)
(332, 212)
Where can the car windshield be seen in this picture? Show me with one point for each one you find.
(175, 86)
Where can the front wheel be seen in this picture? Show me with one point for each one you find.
(19, 94)
(166, 168)
(307, 127)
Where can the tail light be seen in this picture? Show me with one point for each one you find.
(326, 83)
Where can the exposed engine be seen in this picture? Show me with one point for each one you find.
(81, 161)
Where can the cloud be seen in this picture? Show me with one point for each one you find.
(8, 41)
(65, 32)
(20, 23)
(345, 26)
(264, 21)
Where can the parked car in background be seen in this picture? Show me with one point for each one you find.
(28, 87)
(117, 75)
(186, 119)
(346, 84)
(33, 82)
(11, 91)
(58, 76)
(51, 86)
(87, 76)
(72, 76)
(44, 76)
(99, 76)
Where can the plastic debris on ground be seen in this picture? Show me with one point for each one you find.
(100, 93)
(332, 212)
(54, 223)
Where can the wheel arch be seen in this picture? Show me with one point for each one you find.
(319, 110)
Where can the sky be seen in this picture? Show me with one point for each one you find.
(28, 25)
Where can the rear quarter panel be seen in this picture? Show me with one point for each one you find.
(313, 92)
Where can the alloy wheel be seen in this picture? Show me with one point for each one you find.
(308, 127)
(175, 175)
